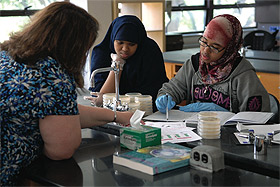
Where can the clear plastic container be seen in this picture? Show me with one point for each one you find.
(207, 114)
(124, 99)
(146, 103)
(146, 98)
(133, 106)
(209, 127)
(108, 98)
(207, 136)
(132, 96)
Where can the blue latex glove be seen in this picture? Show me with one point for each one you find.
(197, 107)
(161, 103)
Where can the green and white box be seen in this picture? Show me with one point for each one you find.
(133, 138)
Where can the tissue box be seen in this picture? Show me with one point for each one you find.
(133, 138)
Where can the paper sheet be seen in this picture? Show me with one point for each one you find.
(174, 132)
(241, 139)
(173, 115)
(223, 116)
(229, 118)
(251, 117)
(261, 129)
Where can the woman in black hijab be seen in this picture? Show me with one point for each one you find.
(143, 71)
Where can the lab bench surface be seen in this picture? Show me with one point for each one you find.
(236, 155)
(242, 156)
(92, 165)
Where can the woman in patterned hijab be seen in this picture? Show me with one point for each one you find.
(217, 78)
(226, 31)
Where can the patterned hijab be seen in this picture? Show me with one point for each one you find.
(225, 29)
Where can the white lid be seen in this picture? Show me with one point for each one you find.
(109, 95)
(143, 98)
(135, 104)
(133, 94)
(207, 114)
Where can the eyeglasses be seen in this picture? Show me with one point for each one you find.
(213, 49)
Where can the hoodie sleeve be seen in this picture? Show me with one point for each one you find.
(180, 86)
(251, 94)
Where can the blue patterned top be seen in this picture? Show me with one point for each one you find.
(28, 94)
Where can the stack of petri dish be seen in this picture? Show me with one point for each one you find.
(133, 100)
(209, 126)
(132, 96)
(133, 105)
(108, 98)
(146, 103)
(124, 99)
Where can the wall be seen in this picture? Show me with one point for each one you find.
(102, 11)
(99, 9)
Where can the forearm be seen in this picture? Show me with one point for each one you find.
(109, 85)
(179, 87)
(94, 116)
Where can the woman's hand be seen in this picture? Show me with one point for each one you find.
(124, 118)
(164, 101)
(117, 59)
(96, 99)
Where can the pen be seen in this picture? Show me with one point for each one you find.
(167, 107)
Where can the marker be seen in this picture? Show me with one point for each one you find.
(167, 107)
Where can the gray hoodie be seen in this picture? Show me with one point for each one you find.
(240, 91)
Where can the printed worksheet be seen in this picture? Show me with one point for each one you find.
(175, 132)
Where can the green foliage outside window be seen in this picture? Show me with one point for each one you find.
(12, 23)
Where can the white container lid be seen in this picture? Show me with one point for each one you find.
(210, 131)
(210, 136)
(204, 114)
(143, 98)
(109, 95)
(134, 105)
(132, 96)
(124, 98)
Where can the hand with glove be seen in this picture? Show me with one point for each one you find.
(162, 102)
(117, 61)
(197, 107)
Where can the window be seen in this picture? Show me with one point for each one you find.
(15, 14)
(189, 16)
